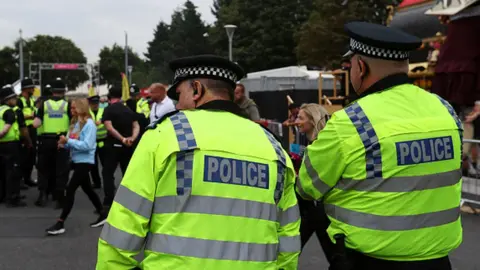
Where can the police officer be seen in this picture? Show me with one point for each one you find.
(97, 114)
(10, 173)
(140, 103)
(53, 162)
(388, 166)
(26, 103)
(208, 196)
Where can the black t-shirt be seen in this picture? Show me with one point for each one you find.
(20, 119)
(122, 119)
(9, 117)
(41, 110)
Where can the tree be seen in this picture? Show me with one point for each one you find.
(264, 38)
(55, 49)
(185, 36)
(8, 66)
(322, 39)
(112, 63)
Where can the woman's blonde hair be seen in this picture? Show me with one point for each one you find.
(83, 113)
(317, 115)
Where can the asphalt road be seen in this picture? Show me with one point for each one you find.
(24, 246)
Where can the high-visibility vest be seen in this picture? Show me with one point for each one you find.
(207, 196)
(13, 133)
(101, 130)
(28, 109)
(143, 107)
(40, 128)
(55, 119)
(388, 169)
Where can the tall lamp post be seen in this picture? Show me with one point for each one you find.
(130, 69)
(20, 58)
(230, 28)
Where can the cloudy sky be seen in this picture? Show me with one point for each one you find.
(91, 24)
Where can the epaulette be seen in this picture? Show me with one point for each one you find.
(154, 124)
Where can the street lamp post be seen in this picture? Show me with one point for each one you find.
(20, 48)
(230, 28)
(130, 68)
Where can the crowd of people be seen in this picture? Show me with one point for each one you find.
(208, 188)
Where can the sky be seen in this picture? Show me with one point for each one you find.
(91, 24)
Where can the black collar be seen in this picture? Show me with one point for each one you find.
(386, 83)
(56, 98)
(222, 105)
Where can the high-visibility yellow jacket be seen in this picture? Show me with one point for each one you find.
(55, 119)
(143, 107)
(13, 133)
(101, 129)
(388, 169)
(207, 196)
(28, 109)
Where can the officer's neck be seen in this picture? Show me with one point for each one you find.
(209, 98)
(25, 94)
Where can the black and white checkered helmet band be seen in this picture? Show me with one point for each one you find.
(362, 48)
(206, 70)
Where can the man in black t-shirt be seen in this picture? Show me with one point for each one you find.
(123, 129)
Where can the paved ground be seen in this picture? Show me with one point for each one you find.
(24, 246)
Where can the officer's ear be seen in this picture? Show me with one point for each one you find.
(198, 90)
(363, 67)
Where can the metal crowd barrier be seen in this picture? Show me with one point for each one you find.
(471, 186)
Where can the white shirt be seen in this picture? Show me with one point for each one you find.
(159, 109)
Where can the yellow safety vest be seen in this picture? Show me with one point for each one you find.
(28, 109)
(40, 128)
(143, 107)
(207, 200)
(13, 133)
(55, 119)
(101, 130)
(388, 169)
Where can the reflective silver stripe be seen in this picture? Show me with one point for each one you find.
(120, 239)
(302, 192)
(289, 244)
(215, 206)
(392, 223)
(403, 183)
(290, 215)
(211, 249)
(321, 186)
(134, 202)
(56, 113)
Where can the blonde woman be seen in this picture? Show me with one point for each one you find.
(311, 119)
(81, 140)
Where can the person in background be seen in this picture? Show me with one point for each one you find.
(26, 103)
(246, 104)
(293, 109)
(53, 163)
(140, 118)
(103, 102)
(162, 104)
(352, 96)
(10, 174)
(473, 121)
(123, 129)
(137, 102)
(97, 114)
(81, 140)
(311, 119)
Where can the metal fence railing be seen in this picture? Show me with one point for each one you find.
(471, 185)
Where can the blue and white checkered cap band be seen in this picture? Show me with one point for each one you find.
(362, 48)
(206, 70)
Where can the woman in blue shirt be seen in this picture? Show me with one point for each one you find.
(81, 141)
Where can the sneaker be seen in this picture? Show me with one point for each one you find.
(102, 218)
(56, 229)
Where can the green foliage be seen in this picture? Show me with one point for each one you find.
(8, 66)
(54, 49)
(183, 37)
(321, 41)
(264, 38)
(112, 64)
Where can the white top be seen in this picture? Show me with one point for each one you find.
(159, 109)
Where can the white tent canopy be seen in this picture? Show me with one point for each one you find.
(291, 72)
